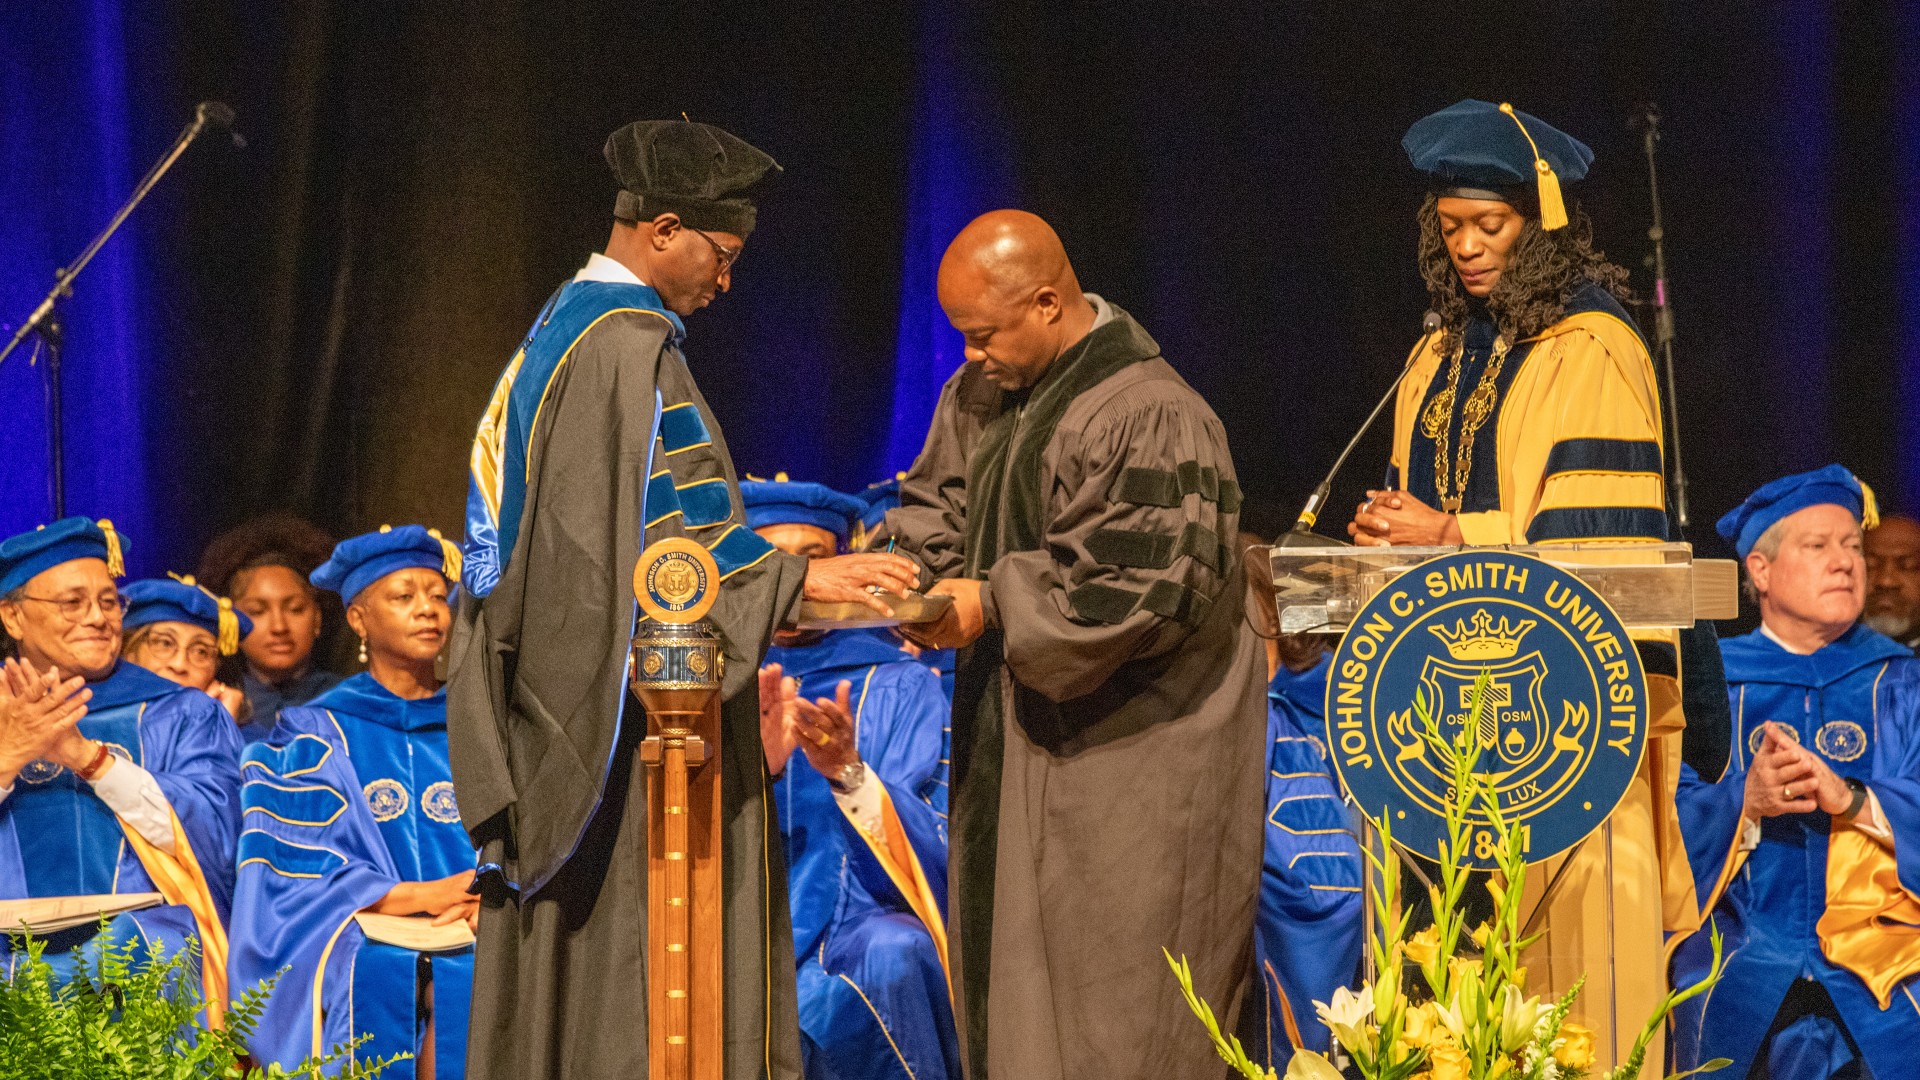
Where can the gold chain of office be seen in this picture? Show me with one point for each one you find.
(1438, 418)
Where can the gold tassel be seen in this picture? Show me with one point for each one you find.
(449, 556)
(1869, 506)
(229, 628)
(116, 563)
(1553, 208)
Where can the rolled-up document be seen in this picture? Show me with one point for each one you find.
(415, 932)
(45, 915)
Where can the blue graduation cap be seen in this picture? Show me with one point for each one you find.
(1744, 524)
(1479, 150)
(177, 598)
(25, 556)
(781, 501)
(359, 561)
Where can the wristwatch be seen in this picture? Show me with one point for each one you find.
(848, 778)
(1859, 798)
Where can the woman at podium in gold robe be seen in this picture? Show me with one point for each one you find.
(1533, 417)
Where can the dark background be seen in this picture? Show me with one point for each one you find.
(315, 322)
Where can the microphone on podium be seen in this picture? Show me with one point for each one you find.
(1302, 534)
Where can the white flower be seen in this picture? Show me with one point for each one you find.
(1347, 1017)
(1347, 1008)
(1517, 1018)
(1307, 1065)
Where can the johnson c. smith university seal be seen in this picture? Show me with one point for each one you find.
(1565, 718)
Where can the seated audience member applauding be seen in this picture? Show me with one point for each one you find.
(113, 780)
(863, 811)
(263, 565)
(348, 811)
(1807, 850)
(178, 630)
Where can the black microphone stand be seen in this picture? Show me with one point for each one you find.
(1663, 318)
(1302, 534)
(44, 322)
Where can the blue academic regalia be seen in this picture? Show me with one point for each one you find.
(265, 699)
(350, 796)
(872, 979)
(58, 839)
(1856, 703)
(1308, 931)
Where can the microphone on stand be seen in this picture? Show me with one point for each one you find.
(1302, 534)
(218, 114)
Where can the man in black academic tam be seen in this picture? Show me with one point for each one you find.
(698, 172)
(597, 444)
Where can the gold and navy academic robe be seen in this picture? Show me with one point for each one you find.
(1572, 453)
(1817, 899)
(1107, 728)
(596, 444)
(349, 796)
(1309, 932)
(58, 839)
(869, 911)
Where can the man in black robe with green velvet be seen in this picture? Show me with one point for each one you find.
(1077, 499)
(596, 444)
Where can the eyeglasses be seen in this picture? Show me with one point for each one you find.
(164, 647)
(75, 608)
(726, 256)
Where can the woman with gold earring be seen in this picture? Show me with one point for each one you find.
(349, 812)
(1534, 417)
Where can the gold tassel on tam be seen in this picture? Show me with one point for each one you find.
(116, 564)
(1553, 208)
(1869, 507)
(229, 628)
(449, 556)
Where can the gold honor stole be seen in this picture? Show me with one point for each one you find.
(178, 878)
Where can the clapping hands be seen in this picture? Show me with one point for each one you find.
(39, 714)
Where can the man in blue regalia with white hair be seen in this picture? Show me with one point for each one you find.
(139, 796)
(863, 813)
(1806, 850)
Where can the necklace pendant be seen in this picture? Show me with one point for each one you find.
(1450, 504)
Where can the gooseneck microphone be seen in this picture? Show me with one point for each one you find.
(1302, 534)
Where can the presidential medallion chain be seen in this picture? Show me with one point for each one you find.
(1438, 419)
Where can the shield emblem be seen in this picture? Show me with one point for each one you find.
(1513, 725)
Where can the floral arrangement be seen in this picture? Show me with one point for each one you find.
(118, 1020)
(1475, 1020)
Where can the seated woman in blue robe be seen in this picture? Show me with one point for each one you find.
(139, 795)
(180, 631)
(863, 812)
(348, 811)
(1307, 934)
(1806, 848)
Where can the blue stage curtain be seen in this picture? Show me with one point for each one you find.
(78, 134)
(957, 169)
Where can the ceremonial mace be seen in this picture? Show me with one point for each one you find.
(675, 667)
(44, 322)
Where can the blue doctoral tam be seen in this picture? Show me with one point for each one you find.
(181, 600)
(1745, 524)
(25, 556)
(1476, 144)
(359, 561)
(782, 502)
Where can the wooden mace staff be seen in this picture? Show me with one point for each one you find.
(675, 668)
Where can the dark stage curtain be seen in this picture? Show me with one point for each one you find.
(315, 322)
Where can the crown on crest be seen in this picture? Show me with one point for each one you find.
(1483, 640)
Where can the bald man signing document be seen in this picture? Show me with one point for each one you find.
(1077, 500)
